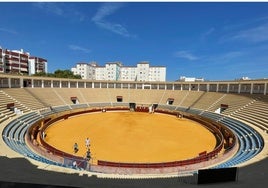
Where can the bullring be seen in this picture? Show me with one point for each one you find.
(203, 101)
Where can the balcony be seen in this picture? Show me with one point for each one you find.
(15, 54)
(24, 56)
(24, 66)
(14, 68)
(15, 65)
(14, 59)
(24, 69)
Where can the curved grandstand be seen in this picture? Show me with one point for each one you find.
(235, 111)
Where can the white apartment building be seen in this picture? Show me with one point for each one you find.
(87, 71)
(113, 71)
(128, 73)
(116, 71)
(81, 69)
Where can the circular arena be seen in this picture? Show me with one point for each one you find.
(139, 132)
(131, 137)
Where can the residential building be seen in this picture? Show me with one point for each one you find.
(37, 65)
(20, 62)
(82, 69)
(116, 71)
(112, 70)
(128, 73)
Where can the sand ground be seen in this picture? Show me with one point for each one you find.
(131, 137)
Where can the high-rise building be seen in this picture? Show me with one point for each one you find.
(116, 71)
(20, 62)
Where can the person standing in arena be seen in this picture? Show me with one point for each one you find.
(87, 143)
(75, 148)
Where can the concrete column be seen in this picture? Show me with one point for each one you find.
(9, 82)
(21, 82)
(251, 88)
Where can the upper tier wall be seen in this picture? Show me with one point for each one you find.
(236, 86)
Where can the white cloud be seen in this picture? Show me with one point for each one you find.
(254, 31)
(79, 48)
(257, 34)
(186, 55)
(61, 9)
(50, 7)
(103, 12)
(8, 30)
(229, 55)
(207, 33)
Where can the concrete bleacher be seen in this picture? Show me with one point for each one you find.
(95, 95)
(113, 93)
(235, 102)
(255, 113)
(24, 97)
(47, 96)
(4, 112)
(209, 101)
(66, 93)
(10, 99)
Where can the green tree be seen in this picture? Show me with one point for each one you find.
(59, 74)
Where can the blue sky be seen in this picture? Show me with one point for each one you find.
(215, 41)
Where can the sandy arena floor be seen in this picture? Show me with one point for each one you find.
(131, 137)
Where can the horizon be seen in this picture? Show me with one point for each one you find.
(210, 40)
